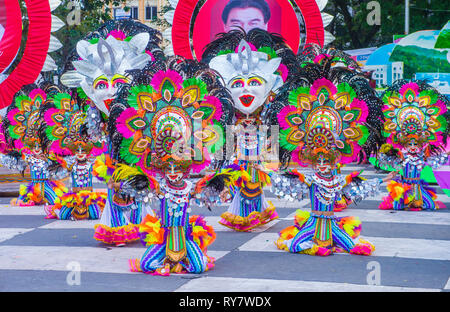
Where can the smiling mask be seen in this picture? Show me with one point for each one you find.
(103, 65)
(249, 75)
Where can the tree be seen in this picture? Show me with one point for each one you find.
(93, 14)
(352, 31)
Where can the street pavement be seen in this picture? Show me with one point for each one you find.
(412, 254)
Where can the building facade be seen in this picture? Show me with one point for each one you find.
(386, 74)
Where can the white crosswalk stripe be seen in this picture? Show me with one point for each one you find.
(91, 259)
(385, 247)
(8, 233)
(226, 284)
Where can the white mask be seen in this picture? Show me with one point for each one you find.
(249, 75)
(248, 93)
(107, 59)
(103, 90)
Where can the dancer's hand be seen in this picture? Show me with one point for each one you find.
(260, 167)
(113, 185)
(225, 195)
(390, 176)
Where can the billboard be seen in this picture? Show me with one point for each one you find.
(10, 32)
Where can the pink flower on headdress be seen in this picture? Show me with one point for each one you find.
(122, 122)
(283, 70)
(412, 85)
(172, 75)
(356, 103)
(117, 34)
(322, 82)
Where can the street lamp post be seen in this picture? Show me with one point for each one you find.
(406, 17)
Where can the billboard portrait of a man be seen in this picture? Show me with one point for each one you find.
(246, 14)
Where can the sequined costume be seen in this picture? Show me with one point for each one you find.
(183, 239)
(41, 189)
(64, 118)
(166, 125)
(81, 202)
(325, 122)
(416, 131)
(253, 66)
(98, 66)
(321, 232)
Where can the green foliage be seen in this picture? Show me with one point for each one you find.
(93, 14)
(443, 41)
(420, 60)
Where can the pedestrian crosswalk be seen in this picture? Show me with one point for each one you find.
(385, 247)
(227, 284)
(412, 251)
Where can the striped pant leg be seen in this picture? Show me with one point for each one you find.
(49, 194)
(306, 234)
(341, 238)
(197, 259)
(136, 214)
(398, 204)
(94, 211)
(427, 198)
(65, 213)
(117, 216)
(153, 258)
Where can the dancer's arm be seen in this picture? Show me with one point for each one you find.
(436, 161)
(291, 185)
(357, 188)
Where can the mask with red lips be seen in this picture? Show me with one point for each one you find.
(413, 147)
(251, 76)
(248, 93)
(103, 64)
(323, 165)
(174, 174)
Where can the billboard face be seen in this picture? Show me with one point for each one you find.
(226, 15)
(217, 16)
(197, 23)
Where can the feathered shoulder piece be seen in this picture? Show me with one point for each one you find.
(414, 110)
(103, 168)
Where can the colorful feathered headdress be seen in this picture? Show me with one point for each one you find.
(170, 120)
(323, 119)
(23, 120)
(65, 121)
(112, 50)
(414, 111)
(331, 80)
